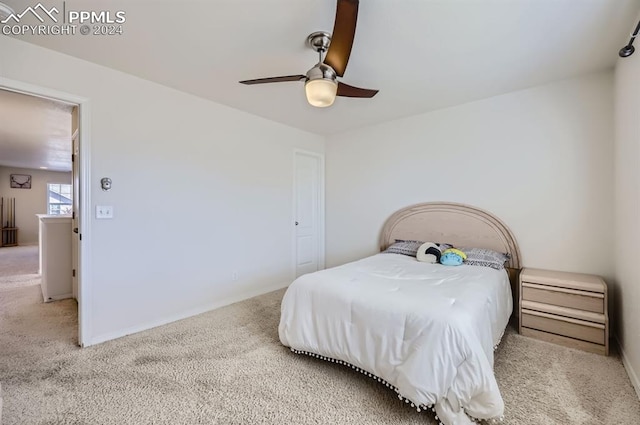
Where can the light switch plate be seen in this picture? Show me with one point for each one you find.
(104, 211)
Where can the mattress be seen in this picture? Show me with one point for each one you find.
(428, 330)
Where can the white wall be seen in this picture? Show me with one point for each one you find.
(627, 210)
(30, 202)
(541, 159)
(200, 190)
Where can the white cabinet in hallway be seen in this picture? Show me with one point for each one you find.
(55, 256)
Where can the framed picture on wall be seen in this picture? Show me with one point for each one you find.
(20, 181)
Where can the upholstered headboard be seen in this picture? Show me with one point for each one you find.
(457, 224)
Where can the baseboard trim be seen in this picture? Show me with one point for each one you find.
(58, 297)
(630, 371)
(250, 293)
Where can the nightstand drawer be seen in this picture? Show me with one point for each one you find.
(574, 328)
(564, 297)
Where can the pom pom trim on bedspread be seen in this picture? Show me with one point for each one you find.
(418, 407)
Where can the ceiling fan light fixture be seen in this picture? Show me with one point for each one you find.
(321, 86)
(321, 92)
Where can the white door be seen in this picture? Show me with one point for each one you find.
(75, 182)
(309, 213)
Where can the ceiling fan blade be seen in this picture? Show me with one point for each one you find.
(346, 90)
(344, 30)
(274, 79)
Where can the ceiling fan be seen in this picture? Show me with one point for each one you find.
(321, 84)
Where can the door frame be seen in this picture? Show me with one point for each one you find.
(321, 210)
(84, 215)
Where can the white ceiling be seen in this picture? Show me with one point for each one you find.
(421, 54)
(34, 132)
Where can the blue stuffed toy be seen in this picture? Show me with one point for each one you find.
(452, 257)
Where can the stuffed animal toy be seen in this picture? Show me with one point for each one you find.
(428, 253)
(452, 257)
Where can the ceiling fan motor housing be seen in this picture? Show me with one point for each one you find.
(321, 71)
(319, 41)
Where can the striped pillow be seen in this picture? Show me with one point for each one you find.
(485, 257)
(409, 248)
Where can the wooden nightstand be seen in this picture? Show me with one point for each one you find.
(564, 308)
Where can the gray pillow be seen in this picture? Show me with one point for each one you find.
(409, 248)
(485, 257)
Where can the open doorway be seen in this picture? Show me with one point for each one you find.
(40, 184)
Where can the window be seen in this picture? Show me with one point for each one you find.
(59, 199)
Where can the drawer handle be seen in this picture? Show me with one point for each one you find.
(562, 318)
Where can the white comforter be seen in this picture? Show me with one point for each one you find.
(427, 329)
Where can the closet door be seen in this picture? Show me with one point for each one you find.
(308, 212)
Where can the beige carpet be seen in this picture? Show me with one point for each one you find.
(19, 266)
(18, 260)
(228, 367)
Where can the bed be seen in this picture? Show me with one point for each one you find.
(426, 331)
